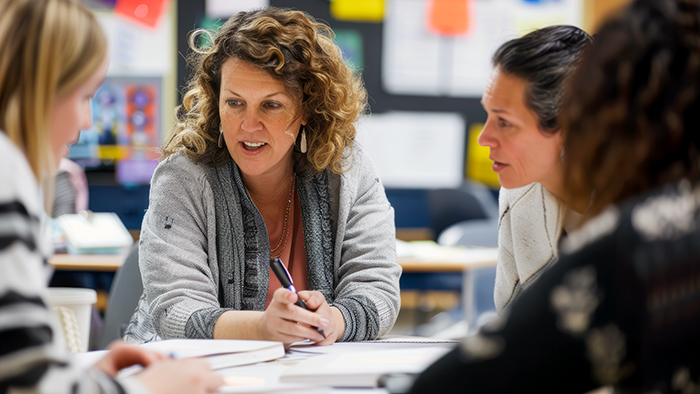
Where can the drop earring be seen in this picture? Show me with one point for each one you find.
(221, 136)
(303, 146)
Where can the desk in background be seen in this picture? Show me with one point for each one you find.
(447, 273)
(410, 265)
(87, 262)
(439, 268)
(91, 263)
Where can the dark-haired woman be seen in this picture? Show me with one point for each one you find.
(263, 165)
(523, 99)
(622, 306)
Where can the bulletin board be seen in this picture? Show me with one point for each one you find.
(388, 40)
(128, 121)
(457, 40)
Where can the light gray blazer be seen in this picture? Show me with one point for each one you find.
(204, 249)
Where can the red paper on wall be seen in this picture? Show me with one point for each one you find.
(146, 12)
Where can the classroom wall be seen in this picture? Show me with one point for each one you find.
(410, 204)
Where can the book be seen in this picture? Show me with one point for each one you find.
(102, 233)
(220, 353)
(362, 368)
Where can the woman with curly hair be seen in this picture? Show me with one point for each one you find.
(53, 58)
(622, 306)
(263, 165)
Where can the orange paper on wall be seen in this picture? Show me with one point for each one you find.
(449, 17)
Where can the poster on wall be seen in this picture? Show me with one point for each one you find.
(415, 150)
(225, 8)
(125, 131)
(444, 48)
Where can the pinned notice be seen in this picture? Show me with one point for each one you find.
(450, 17)
(358, 10)
(146, 12)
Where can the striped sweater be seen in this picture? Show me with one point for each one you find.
(30, 359)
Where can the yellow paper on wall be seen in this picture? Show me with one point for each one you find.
(479, 166)
(113, 152)
(527, 25)
(358, 10)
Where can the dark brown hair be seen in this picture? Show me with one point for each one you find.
(293, 48)
(632, 122)
(544, 58)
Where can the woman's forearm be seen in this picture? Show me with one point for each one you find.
(339, 321)
(239, 325)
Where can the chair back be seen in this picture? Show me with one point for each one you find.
(123, 298)
(471, 201)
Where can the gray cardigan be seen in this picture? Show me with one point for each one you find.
(204, 249)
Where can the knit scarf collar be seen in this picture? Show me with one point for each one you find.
(242, 243)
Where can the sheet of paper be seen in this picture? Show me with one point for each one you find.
(136, 49)
(302, 350)
(87, 359)
(411, 54)
(263, 378)
(225, 8)
(431, 251)
(362, 368)
(415, 149)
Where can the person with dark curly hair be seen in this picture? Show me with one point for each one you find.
(622, 306)
(262, 164)
(523, 100)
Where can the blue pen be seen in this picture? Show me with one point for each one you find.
(286, 280)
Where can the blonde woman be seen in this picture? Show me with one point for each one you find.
(263, 165)
(52, 60)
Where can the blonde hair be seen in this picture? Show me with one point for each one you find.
(49, 47)
(293, 48)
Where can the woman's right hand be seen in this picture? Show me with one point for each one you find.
(189, 376)
(285, 322)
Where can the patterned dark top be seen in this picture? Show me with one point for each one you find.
(621, 308)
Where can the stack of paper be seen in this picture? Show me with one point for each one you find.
(95, 233)
(220, 353)
(363, 368)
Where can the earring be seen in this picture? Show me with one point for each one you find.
(221, 136)
(561, 154)
(303, 146)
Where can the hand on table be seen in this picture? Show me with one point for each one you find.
(122, 355)
(161, 374)
(317, 303)
(286, 322)
(190, 376)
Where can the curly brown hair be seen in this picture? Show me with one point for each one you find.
(632, 121)
(297, 50)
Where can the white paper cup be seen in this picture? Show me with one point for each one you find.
(80, 301)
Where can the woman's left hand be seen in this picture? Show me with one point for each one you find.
(317, 303)
(122, 355)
